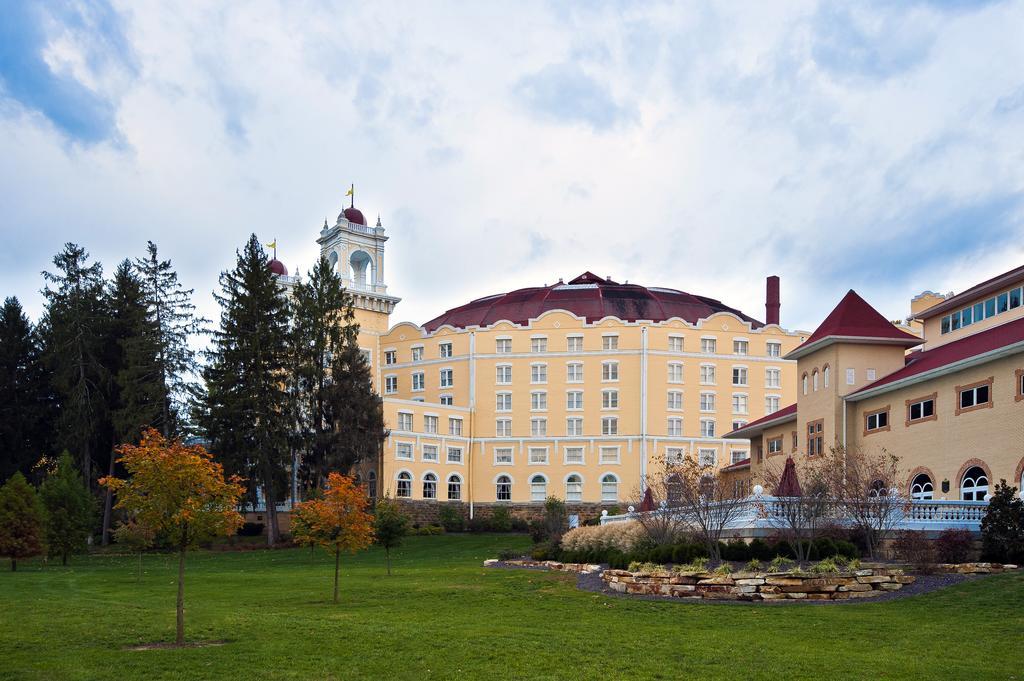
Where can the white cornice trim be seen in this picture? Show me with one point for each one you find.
(807, 349)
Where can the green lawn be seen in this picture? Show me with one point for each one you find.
(441, 615)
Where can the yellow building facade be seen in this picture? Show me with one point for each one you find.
(570, 390)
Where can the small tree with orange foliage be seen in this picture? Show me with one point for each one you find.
(337, 522)
(177, 492)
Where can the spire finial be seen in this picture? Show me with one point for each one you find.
(378, 220)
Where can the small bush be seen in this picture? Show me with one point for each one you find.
(250, 530)
(723, 569)
(645, 567)
(519, 525)
(781, 564)
(625, 537)
(914, 548)
(824, 566)
(846, 549)
(737, 550)
(1002, 528)
(451, 519)
(501, 520)
(544, 551)
(783, 548)
(822, 547)
(754, 565)
(509, 554)
(760, 550)
(695, 565)
(954, 546)
(478, 524)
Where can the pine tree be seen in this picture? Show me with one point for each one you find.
(170, 310)
(69, 509)
(137, 397)
(25, 401)
(22, 521)
(321, 311)
(73, 334)
(246, 415)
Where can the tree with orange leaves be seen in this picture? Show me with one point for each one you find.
(177, 492)
(337, 522)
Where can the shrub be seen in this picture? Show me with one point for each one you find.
(760, 550)
(556, 518)
(478, 524)
(753, 565)
(914, 548)
(501, 520)
(825, 566)
(846, 549)
(781, 564)
(625, 537)
(250, 530)
(822, 547)
(954, 546)
(723, 569)
(737, 550)
(451, 518)
(509, 554)
(518, 525)
(695, 565)
(645, 567)
(1002, 528)
(782, 548)
(544, 551)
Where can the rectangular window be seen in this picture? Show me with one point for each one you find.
(390, 357)
(538, 455)
(740, 404)
(538, 373)
(990, 308)
(707, 374)
(574, 372)
(609, 425)
(574, 399)
(675, 427)
(775, 445)
(574, 343)
(430, 453)
(503, 428)
(774, 349)
(675, 372)
(429, 424)
(675, 400)
(870, 375)
(503, 374)
(967, 317)
(538, 401)
(739, 376)
(815, 437)
(574, 426)
(417, 354)
(1016, 298)
(390, 385)
(772, 378)
(444, 350)
(1002, 303)
(609, 371)
(503, 456)
(608, 455)
(674, 455)
(707, 428)
(978, 312)
(447, 400)
(675, 343)
(796, 440)
(538, 427)
(574, 456)
(706, 457)
(403, 451)
(1020, 385)
(974, 396)
(418, 382)
(454, 426)
(771, 404)
(503, 402)
(878, 420)
(851, 376)
(539, 344)
(707, 401)
(609, 399)
(405, 421)
(740, 347)
(708, 346)
(921, 409)
(737, 455)
(503, 346)
(736, 425)
(609, 342)
(447, 378)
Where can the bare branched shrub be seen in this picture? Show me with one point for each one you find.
(798, 519)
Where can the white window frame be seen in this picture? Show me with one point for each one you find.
(609, 342)
(538, 344)
(740, 376)
(416, 352)
(503, 427)
(709, 345)
(609, 425)
(408, 446)
(675, 372)
(405, 421)
(536, 486)
(538, 427)
(570, 369)
(498, 453)
(609, 371)
(708, 369)
(430, 424)
(608, 455)
(538, 373)
(444, 350)
(503, 374)
(675, 343)
(574, 400)
(503, 345)
(422, 381)
(455, 425)
(674, 400)
(503, 402)
(575, 339)
(708, 428)
(675, 426)
(538, 400)
(609, 488)
(538, 456)
(390, 384)
(448, 455)
(566, 460)
(708, 402)
(609, 399)
(446, 378)
(574, 426)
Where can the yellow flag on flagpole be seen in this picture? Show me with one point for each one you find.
(351, 191)
(272, 244)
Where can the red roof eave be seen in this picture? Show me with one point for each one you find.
(756, 427)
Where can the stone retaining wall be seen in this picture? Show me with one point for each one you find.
(583, 568)
(758, 586)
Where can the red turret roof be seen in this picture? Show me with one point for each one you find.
(854, 320)
(588, 296)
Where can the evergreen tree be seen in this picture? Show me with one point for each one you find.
(73, 330)
(69, 509)
(246, 412)
(137, 397)
(172, 314)
(321, 311)
(25, 401)
(1002, 528)
(22, 521)
(355, 412)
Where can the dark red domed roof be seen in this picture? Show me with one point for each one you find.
(277, 267)
(353, 214)
(586, 296)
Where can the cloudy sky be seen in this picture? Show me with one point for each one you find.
(702, 146)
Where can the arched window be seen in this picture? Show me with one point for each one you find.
(609, 488)
(404, 485)
(921, 487)
(371, 484)
(805, 383)
(574, 488)
(974, 486)
(877, 489)
(454, 487)
(429, 486)
(674, 489)
(815, 381)
(825, 375)
(503, 488)
(538, 488)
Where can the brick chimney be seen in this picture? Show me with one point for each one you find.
(771, 300)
